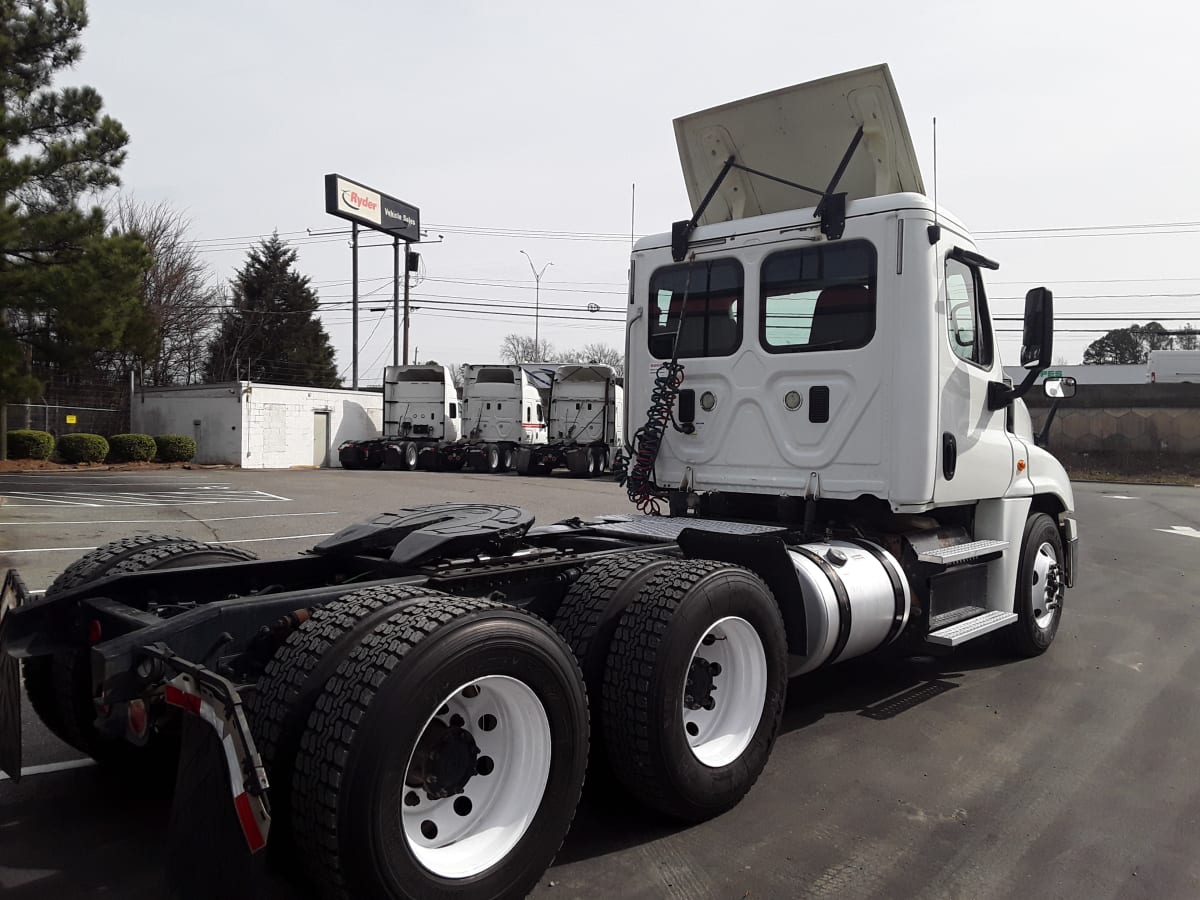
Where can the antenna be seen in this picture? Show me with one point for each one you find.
(632, 212)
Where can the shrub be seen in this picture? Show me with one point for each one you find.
(26, 444)
(175, 447)
(82, 447)
(131, 448)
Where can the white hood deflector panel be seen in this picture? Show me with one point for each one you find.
(799, 133)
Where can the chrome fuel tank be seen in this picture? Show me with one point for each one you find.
(856, 599)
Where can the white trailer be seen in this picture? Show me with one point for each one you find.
(585, 428)
(819, 405)
(502, 411)
(1173, 367)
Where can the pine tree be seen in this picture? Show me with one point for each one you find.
(68, 288)
(270, 331)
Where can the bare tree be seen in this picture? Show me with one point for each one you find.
(178, 291)
(598, 353)
(520, 348)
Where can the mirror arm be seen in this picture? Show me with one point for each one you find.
(1001, 395)
(1042, 437)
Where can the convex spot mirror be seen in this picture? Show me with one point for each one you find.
(1059, 388)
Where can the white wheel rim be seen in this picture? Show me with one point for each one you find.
(1046, 592)
(470, 831)
(718, 735)
(411, 456)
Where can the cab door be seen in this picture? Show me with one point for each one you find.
(975, 459)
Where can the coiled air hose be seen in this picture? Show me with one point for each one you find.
(647, 440)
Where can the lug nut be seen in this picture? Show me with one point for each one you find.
(710, 704)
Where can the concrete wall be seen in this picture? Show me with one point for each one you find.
(216, 407)
(1145, 418)
(258, 426)
(280, 423)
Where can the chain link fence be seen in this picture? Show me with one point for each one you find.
(66, 408)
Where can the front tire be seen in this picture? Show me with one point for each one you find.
(444, 758)
(1041, 584)
(694, 688)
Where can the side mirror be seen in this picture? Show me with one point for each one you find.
(1059, 388)
(1037, 343)
(1037, 347)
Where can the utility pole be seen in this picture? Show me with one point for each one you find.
(537, 304)
(353, 305)
(410, 261)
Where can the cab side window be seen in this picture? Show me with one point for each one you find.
(966, 314)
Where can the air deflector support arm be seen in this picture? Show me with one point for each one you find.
(831, 210)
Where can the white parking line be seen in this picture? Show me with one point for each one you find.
(167, 521)
(201, 495)
(47, 768)
(285, 537)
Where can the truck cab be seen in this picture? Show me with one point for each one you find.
(830, 353)
(584, 433)
(502, 411)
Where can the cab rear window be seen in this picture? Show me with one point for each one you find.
(696, 309)
(818, 298)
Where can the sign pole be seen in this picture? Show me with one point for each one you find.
(406, 303)
(396, 305)
(354, 304)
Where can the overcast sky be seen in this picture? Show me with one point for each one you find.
(540, 116)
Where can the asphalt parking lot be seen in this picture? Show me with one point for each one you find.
(964, 776)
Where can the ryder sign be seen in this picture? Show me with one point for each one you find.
(361, 204)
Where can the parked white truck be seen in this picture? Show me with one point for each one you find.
(585, 427)
(422, 423)
(816, 398)
(502, 412)
(1173, 367)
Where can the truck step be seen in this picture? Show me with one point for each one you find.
(960, 553)
(968, 629)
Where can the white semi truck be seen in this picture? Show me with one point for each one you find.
(502, 412)
(422, 423)
(584, 432)
(816, 400)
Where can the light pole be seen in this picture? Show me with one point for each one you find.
(537, 303)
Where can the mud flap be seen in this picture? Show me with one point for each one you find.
(219, 818)
(12, 596)
(207, 854)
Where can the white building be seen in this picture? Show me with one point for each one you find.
(260, 426)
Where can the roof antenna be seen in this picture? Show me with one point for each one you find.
(935, 230)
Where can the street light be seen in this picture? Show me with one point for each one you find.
(537, 303)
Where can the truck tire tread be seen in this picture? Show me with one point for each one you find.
(297, 673)
(628, 684)
(38, 672)
(335, 718)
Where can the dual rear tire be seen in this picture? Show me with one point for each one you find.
(689, 697)
(421, 745)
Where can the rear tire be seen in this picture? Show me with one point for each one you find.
(588, 618)
(409, 455)
(69, 674)
(694, 688)
(289, 687)
(391, 797)
(1041, 585)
